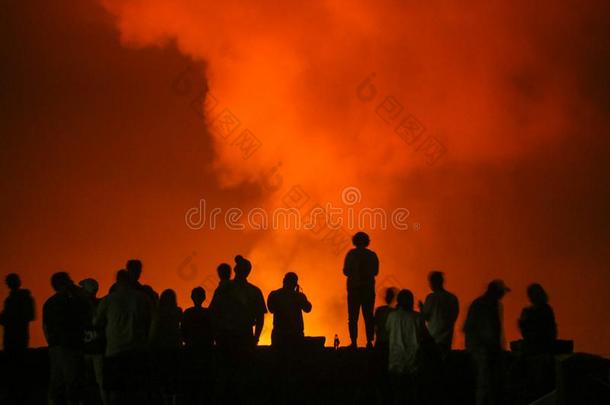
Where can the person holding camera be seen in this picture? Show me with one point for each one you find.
(287, 306)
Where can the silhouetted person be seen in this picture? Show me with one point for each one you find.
(440, 311)
(381, 317)
(197, 323)
(407, 332)
(165, 327)
(165, 340)
(224, 273)
(238, 307)
(94, 343)
(287, 306)
(537, 322)
(361, 266)
(484, 341)
(64, 318)
(125, 315)
(198, 339)
(16, 316)
(224, 277)
(134, 271)
(382, 341)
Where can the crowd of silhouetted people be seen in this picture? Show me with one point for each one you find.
(95, 345)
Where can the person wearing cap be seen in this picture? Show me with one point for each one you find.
(361, 266)
(440, 311)
(485, 342)
(287, 305)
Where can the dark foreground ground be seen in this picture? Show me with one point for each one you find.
(322, 376)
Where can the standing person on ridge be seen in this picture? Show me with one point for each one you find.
(224, 278)
(287, 305)
(485, 341)
(361, 266)
(197, 322)
(440, 311)
(64, 320)
(407, 334)
(16, 316)
(237, 307)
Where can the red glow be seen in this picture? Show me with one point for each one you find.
(107, 172)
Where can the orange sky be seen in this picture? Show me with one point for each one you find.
(104, 148)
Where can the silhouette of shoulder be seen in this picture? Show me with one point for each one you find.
(361, 263)
(18, 307)
(256, 298)
(280, 297)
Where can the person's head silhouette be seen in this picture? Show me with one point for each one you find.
(224, 271)
(198, 296)
(168, 299)
(496, 289)
(122, 277)
(404, 300)
(242, 267)
(134, 268)
(361, 240)
(536, 294)
(61, 281)
(90, 286)
(291, 280)
(390, 294)
(13, 282)
(436, 279)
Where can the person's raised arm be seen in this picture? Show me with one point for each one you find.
(305, 304)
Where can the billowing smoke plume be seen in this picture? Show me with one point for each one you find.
(307, 98)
